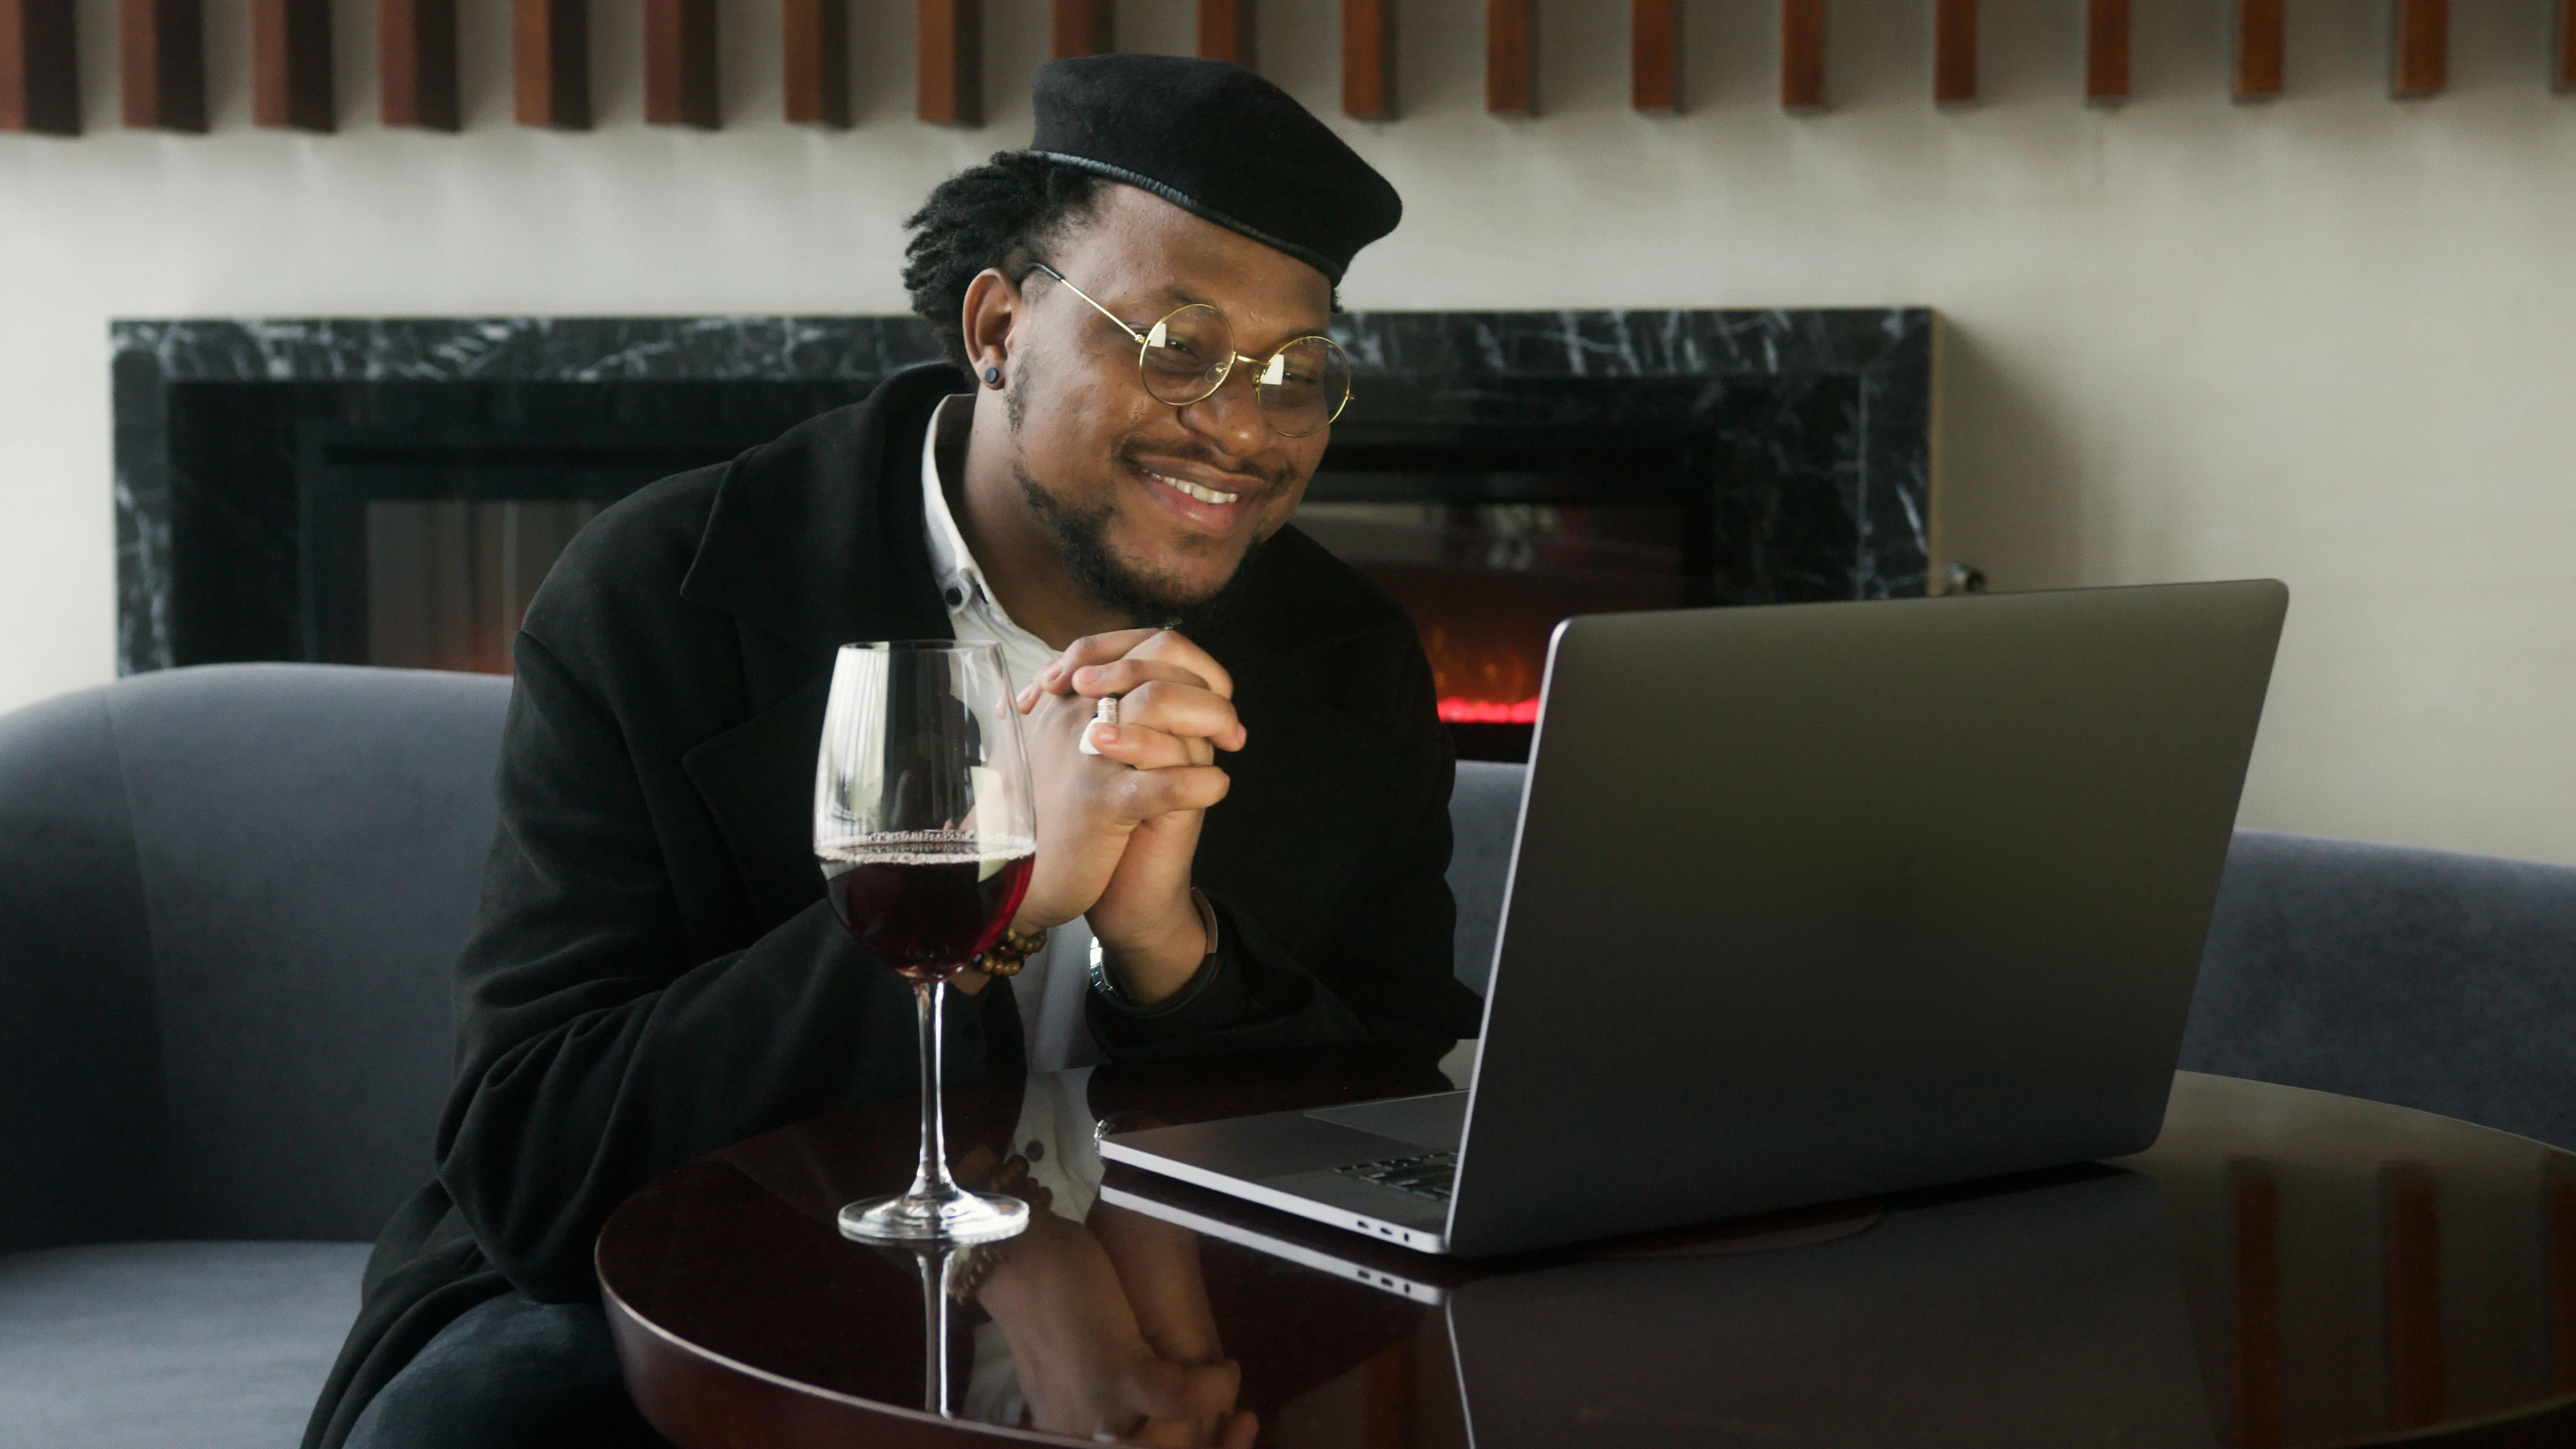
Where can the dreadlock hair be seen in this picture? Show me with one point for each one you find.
(1001, 214)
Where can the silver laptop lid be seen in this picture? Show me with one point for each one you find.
(1821, 901)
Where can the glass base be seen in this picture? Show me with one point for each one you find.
(969, 1217)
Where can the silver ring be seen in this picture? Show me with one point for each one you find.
(1103, 711)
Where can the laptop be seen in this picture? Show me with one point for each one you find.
(1814, 902)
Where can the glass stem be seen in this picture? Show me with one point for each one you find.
(931, 1179)
(935, 1268)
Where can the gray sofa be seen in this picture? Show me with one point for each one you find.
(229, 899)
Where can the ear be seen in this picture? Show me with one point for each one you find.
(992, 310)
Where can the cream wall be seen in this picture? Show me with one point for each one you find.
(2331, 339)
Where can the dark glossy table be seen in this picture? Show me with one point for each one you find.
(2283, 1268)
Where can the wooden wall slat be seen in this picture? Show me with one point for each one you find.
(1802, 55)
(1954, 52)
(1511, 57)
(2254, 1203)
(1085, 27)
(416, 64)
(39, 67)
(2411, 1224)
(2562, 59)
(948, 55)
(680, 63)
(1226, 31)
(814, 55)
(2261, 48)
(290, 65)
(550, 55)
(161, 64)
(1655, 56)
(1368, 59)
(2420, 55)
(2106, 51)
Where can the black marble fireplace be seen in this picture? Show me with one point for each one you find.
(392, 491)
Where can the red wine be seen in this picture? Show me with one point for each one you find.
(925, 907)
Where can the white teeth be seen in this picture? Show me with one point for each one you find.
(1204, 495)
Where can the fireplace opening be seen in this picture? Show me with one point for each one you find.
(1489, 540)
(422, 549)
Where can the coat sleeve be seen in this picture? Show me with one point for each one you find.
(1386, 973)
(594, 1053)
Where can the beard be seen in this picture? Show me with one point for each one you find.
(1082, 536)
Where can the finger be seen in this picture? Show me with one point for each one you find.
(1147, 749)
(1171, 646)
(1118, 676)
(1241, 1428)
(1088, 650)
(1181, 709)
(1144, 794)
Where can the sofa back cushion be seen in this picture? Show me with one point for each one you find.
(2431, 980)
(303, 849)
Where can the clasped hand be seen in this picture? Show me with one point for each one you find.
(1118, 830)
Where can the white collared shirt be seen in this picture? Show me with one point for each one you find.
(1052, 984)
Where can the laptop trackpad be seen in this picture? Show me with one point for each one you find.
(1435, 1122)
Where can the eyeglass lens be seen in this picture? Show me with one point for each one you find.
(1301, 386)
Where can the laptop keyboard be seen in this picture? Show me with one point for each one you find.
(1426, 1175)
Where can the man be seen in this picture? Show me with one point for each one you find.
(655, 973)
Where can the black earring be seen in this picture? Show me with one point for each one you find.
(992, 377)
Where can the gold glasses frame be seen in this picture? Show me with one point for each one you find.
(1268, 371)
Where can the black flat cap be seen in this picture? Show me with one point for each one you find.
(1210, 137)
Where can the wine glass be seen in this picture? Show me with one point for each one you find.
(925, 822)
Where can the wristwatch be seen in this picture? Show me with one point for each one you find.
(1100, 980)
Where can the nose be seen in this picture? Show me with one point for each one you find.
(1231, 417)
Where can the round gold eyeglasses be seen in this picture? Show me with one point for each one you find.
(1188, 355)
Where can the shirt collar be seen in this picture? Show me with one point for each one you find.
(951, 562)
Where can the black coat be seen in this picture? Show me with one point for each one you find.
(655, 974)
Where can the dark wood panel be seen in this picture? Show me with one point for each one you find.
(2254, 1206)
(39, 67)
(1226, 31)
(948, 56)
(1802, 55)
(1511, 57)
(1368, 59)
(2261, 46)
(1655, 56)
(550, 54)
(2562, 60)
(1954, 52)
(2420, 53)
(290, 64)
(814, 50)
(1085, 27)
(2106, 51)
(2410, 1220)
(416, 64)
(161, 63)
(680, 63)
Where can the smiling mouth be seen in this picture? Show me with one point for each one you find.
(1202, 494)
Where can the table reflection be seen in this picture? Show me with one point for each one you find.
(2049, 1312)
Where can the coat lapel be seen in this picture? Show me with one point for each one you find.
(815, 541)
